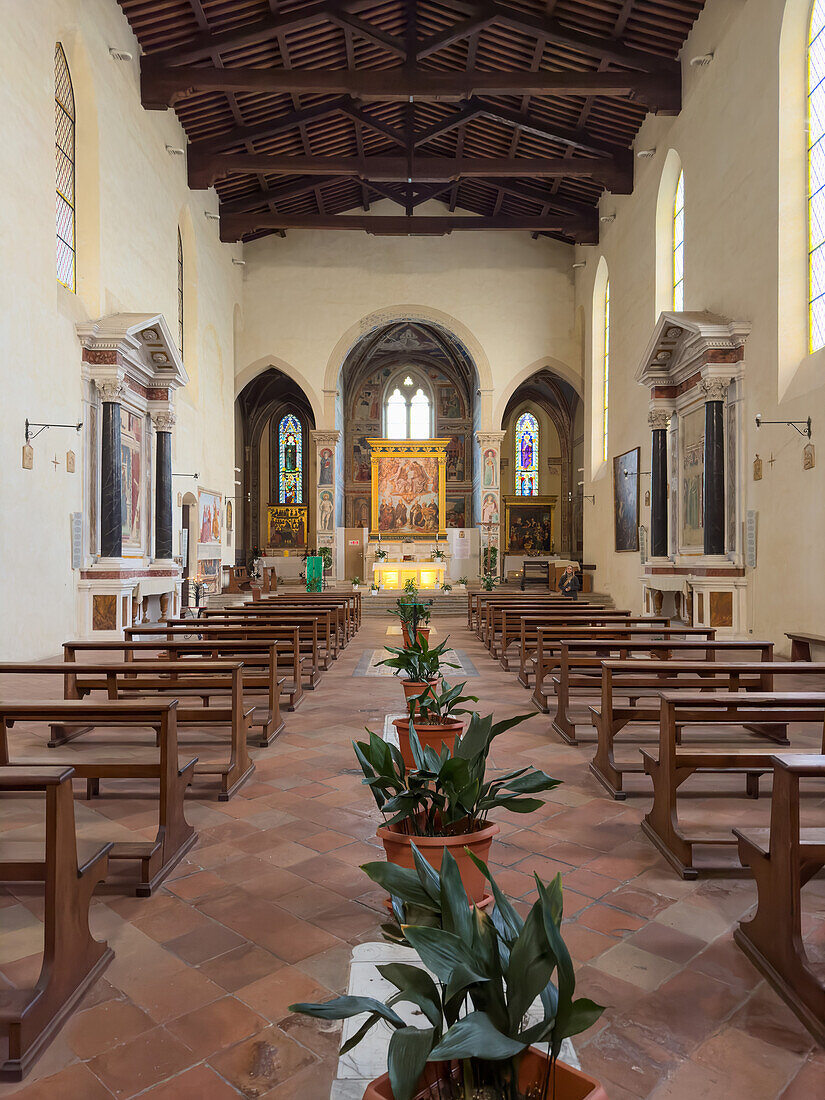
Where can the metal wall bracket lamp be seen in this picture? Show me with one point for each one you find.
(585, 496)
(30, 435)
(195, 476)
(639, 473)
(805, 428)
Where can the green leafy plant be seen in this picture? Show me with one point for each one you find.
(446, 587)
(355, 581)
(411, 588)
(373, 587)
(418, 662)
(325, 552)
(448, 794)
(462, 580)
(488, 581)
(412, 613)
(490, 559)
(381, 555)
(433, 707)
(488, 972)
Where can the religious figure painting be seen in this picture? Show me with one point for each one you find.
(692, 476)
(626, 501)
(456, 458)
(326, 507)
(490, 473)
(131, 478)
(361, 459)
(457, 511)
(368, 404)
(209, 573)
(360, 512)
(528, 525)
(209, 518)
(449, 403)
(489, 508)
(286, 526)
(408, 496)
(325, 466)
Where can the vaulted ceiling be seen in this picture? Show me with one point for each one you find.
(303, 113)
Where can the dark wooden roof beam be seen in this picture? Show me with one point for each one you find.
(371, 33)
(162, 86)
(453, 34)
(616, 173)
(236, 226)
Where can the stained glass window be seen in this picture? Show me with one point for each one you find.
(290, 461)
(64, 123)
(679, 245)
(816, 177)
(527, 456)
(606, 363)
(180, 293)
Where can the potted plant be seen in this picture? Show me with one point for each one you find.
(438, 553)
(414, 616)
(325, 553)
(419, 665)
(373, 589)
(436, 714)
(446, 587)
(355, 582)
(381, 554)
(445, 800)
(480, 1023)
(461, 584)
(488, 581)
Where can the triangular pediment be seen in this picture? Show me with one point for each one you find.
(683, 342)
(143, 344)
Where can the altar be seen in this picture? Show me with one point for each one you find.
(395, 574)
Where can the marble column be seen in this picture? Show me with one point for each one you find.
(111, 523)
(714, 484)
(164, 423)
(658, 419)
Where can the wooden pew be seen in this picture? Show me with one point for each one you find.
(93, 762)
(604, 642)
(782, 859)
(644, 680)
(530, 625)
(801, 645)
(261, 661)
(496, 615)
(675, 762)
(483, 600)
(73, 959)
(341, 614)
(187, 681)
(328, 620)
(235, 579)
(350, 600)
(301, 638)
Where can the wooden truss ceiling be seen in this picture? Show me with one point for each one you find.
(302, 113)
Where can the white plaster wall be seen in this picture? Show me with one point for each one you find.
(308, 298)
(727, 136)
(131, 197)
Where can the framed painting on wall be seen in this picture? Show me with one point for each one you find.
(209, 575)
(209, 522)
(626, 501)
(409, 487)
(456, 511)
(132, 490)
(528, 525)
(692, 480)
(286, 526)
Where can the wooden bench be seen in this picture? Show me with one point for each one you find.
(477, 600)
(535, 572)
(186, 681)
(328, 622)
(73, 959)
(644, 680)
(782, 859)
(801, 645)
(265, 611)
(529, 625)
(486, 602)
(298, 648)
(613, 640)
(498, 616)
(351, 601)
(94, 762)
(676, 762)
(260, 671)
(235, 579)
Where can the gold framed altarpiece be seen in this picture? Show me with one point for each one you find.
(409, 497)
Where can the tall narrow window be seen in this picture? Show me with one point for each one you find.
(408, 412)
(290, 461)
(64, 143)
(527, 456)
(679, 245)
(606, 373)
(816, 177)
(180, 293)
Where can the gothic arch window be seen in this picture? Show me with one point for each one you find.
(290, 460)
(64, 141)
(180, 292)
(408, 407)
(679, 245)
(816, 177)
(527, 456)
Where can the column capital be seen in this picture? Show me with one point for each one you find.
(659, 419)
(113, 387)
(324, 437)
(490, 439)
(715, 389)
(163, 419)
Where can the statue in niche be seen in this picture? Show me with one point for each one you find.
(808, 457)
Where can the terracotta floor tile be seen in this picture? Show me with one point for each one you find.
(199, 1083)
(273, 994)
(670, 943)
(635, 966)
(242, 966)
(97, 1029)
(219, 1024)
(204, 943)
(613, 922)
(145, 1061)
(257, 1065)
(76, 1082)
(809, 1081)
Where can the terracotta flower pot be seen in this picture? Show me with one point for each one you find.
(570, 1084)
(415, 687)
(422, 632)
(398, 848)
(434, 736)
